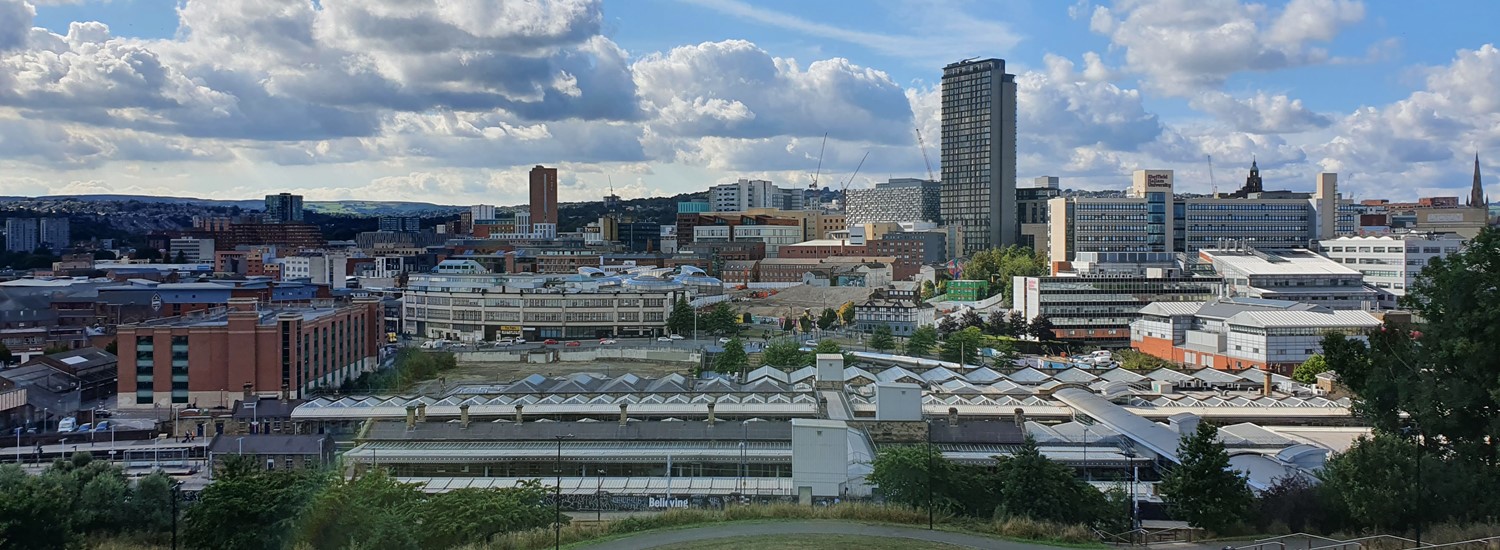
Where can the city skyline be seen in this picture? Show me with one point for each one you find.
(345, 105)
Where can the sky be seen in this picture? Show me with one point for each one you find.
(453, 101)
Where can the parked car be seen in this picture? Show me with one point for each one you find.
(811, 343)
(573, 344)
(505, 341)
(520, 340)
(66, 425)
(663, 339)
(724, 340)
(102, 426)
(85, 427)
(607, 341)
(676, 337)
(103, 413)
(549, 341)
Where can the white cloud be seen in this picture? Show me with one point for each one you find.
(1182, 46)
(943, 30)
(735, 89)
(1261, 114)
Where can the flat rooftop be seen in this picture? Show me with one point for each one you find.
(1290, 262)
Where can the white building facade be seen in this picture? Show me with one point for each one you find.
(1391, 263)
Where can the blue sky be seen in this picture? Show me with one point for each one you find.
(377, 99)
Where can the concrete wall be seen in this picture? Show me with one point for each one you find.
(820, 456)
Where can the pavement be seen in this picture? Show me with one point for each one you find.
(808, 527)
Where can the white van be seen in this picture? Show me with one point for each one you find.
(67, 424)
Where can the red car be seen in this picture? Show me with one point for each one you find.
(549, 341)
(573, 344)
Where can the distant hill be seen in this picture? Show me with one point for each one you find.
(353, 208)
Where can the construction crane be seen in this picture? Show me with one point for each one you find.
(1214, 187)
(814, 185)
(921, 144)
(844, 189)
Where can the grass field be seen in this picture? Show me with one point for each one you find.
(811, 542)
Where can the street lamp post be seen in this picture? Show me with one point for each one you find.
(557, 497)
(929, 475)
(176, 491)
(599, 497)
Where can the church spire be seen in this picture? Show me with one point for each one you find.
(1477, 198)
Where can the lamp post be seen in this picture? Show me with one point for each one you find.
(1135, 472)
(929, 475)
(557, 497)
(176, 491)
(599, 497)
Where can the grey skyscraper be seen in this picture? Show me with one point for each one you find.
(979, 153)
(21, 235)
(55, 233)
(283, 208)
(897, 200)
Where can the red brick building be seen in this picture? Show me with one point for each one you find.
(207, 360)
(821, 248)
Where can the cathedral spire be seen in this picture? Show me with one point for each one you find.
(1477, 197)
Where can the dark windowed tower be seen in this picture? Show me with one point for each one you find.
(979, 154)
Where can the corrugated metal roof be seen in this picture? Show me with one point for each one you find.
(1305, 319)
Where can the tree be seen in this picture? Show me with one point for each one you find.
(151, 505)
(260, 505)
(882, 340)
(1308, 371)
(722, 319)
(846, 313)
(948, 325)
(996, 324)
(733, 359)
(828, 347)
(113, 347)
(782, 353)
(746, 318)
(145, 253)
(928, 290)
(104, 255)
(371, 510)
(1041, 329)
(805, 324)
(6, 357)
(827, 319)
(1016, 324)
(681, 319)
(999, 266)
(921, 341)
(180, 258)
(1294, 502)
(903, 474)
(467, 517)
(971, 319)
(1203, 489)
(1438, 377)
(36, 512)
(1031, 485)
(962, 346)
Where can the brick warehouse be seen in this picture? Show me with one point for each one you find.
(206, 360)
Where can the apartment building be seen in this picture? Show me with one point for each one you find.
(1390, 263)
(745, 194)
(896, 200)
(1239, 333)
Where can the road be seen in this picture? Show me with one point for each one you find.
(808, 527)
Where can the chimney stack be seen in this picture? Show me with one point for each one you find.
(411, 418)
(463, 415)
(247, 392)
(1020, 417)
(711, 413)
(953, 416)
(623, 416)
(519, 417)
(284, 391)
(421, 412)
(1266, 388)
